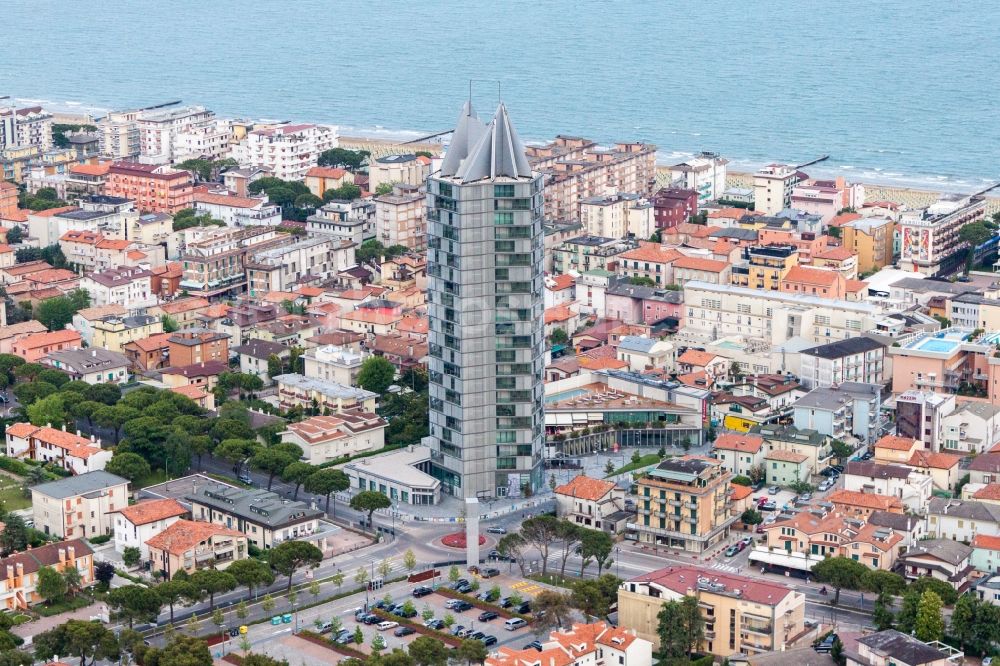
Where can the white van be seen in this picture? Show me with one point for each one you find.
(514, 623)
(386, 626)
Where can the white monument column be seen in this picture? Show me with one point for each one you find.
(471, 532)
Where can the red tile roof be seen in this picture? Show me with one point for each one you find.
(811, 276)
(151, 511)
(894, 443)
(986, 542)
(682, 578)
(184, 535)
(584, 487)
(741, 443)
(696, 358)
(698, 264)
(326, 172)
(865, 500)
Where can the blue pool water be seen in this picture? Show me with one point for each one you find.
(938, 345)
(564, 395)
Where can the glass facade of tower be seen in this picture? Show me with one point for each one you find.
(485, 304)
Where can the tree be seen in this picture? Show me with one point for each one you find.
(346, 192)
(945, 591)
(409, 560)
(741, 480)
(56, 313)
(963, 619)
(132, 466)
(974, 234)
(609, 468)
(273, 461)
(218, 618)
(15, 235)
(104, 572)
(213, 582)
(800, 487)
(337, 579)
(359, 637)
(642, 281)
(236, 450)
(428, 651)
(173, 591)
(376, 374)
(551, 610)
(251, 573)
(288, 556)
(840, 449)
(50, 410)
(882, 617)
(378, 644)
(595, 545)
(840, 572)
(559, 337)
(540, 532)
(181, 651)
(588, 598)
(275, 366)
(471, 651)
(297, 473)
(71, 575)
(680, 628)
(569, 536)
(513, 546)
(343, 158)
(14, 536)
(907, 615)
(735, 371)
(883, 583)
(267, 603)
(361, 575)
(88, 640)
(370, 501)
(929, 625)
(751, 517)
(131, 556)
(136, 603)
(51, 585)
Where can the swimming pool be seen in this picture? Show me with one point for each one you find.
(990, 339)
(938, 345)
(565, 395)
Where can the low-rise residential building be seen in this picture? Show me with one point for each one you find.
(204, 375)
(894, 480)
(188, 545)
(862, 504)
(32, 348)
(973, 427)
(11, 334)
(645, 353)
(19, 572)
(83, 320)
(114, 332)
(286, 266)
(857, 359)
(786, 468)
(78, 506)
(287, 151)
(941, 559)
(597, 644)
(150, 353)
(294, 389)
(986, 553)
(592, 503)
(326, 438)
(94, 366)
(264, 517)
(402, 475)
(741, 614)
(894, 648)
(587, 253)
(255, 357)
(400, 217)
(72, 453)
(237, 211)
(684, 504)
(137, 523)
(739, 453)
(814, 446)
(407, 169)
(183, 311)
(198, 345)
(320, 179)
(333, 364)
(850, 409)
(961, 520)
(129, 287)
(941, 468)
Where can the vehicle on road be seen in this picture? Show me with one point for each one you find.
(496, 530)
(387, 625)
(404, 631)
(747, 541)
(533, 645)
(488, 616)
(422, 591)
(490, 572)
(732, 551)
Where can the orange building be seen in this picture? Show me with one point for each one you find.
(197, 346)
(814, 282)
(8, 199)
(156, 189)
(33, 347)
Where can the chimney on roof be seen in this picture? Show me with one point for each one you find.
(62, 556)
(70, 553)
(64, 427)
(20, 567)
(10, 571)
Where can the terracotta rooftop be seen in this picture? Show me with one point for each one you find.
(585, 487)
(696, 358)
(318, 429)
(741, 443)
(184, 535)
(682, 578)
(865, 500)
(90, 169)
(560, 282)
(184, 305)
(739, 492)
(326, 172)
(558, 313)
(45, 339)
(151, 511)
(834, 254)
(781, 455)
(45, 556)
(190, 391)
(986, 542)
(991, 491)
(811, 276)
(698, 264)
(152, 343)
(895, 443)
(652, 253)
(226, 200)
(934, 460)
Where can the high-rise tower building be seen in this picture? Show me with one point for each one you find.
(484, 293)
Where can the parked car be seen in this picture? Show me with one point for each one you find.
(828, 472)
(435, 624)
(489, 640)
(461, 606)
(826, 644)
(422, 591)
(506, 602)
(387, 625)
(768, 506)
(747, 541)
(524, 608)
(533, 645)
(487, 616)
(757, 486)
(451, 603)
(476, 636)
(732, 550)
(465, 632)
(496, 530)
(826, 485)
(490, 572)
(457, 629)
(371, 619)
(404, 631)
(345, 637)
(463, 588)
(773, 490)
(325, 627)
(805, 497)
(382, 605)
(839, 468)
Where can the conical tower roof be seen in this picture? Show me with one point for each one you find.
(468, 130)
(499, 153)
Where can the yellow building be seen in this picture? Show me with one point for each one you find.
(871, 239)
(684, 503)
(741, 614)
(114, 332)
(765, 266)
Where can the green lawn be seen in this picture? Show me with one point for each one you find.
(11, 497)
(644, 461)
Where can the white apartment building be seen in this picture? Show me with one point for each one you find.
(705, 174)
(851, 360)
(930, 241)
(78, 506)
(31, 126)
(960, 520)
(333, 364)
(911, 487)
(129, 287)
(210, 140)
(159, 130)
(617, 216)
(597, 644)
(772, 188)
(118, 135)
(400, 217)
(288, 151)
(973, 427)
(341, 219)
(714, 311)
(136, 524)
(73, 453)
(403, 169)
(284, 267)
(237, 211)
(49, 229)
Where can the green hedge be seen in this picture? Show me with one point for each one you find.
(98, 540)
(313, 637)
(13, 466)
(73, 603)
(448, 639)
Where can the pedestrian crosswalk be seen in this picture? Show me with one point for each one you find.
(526, 587)
(725, 567)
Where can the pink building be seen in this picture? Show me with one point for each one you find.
(826, 197)
(807, 242)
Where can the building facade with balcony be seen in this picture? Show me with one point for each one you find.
(764, 267)
(930, 238)
(288, 151)
(294, 389)
(592, 503)
(741, 614)
(684, 503)
(155, 189)
(586, 253)
(400, 217)
(852, 360)
(238, 211)
(19, 571)
(78, 506)
(188, 545)
(850, 409)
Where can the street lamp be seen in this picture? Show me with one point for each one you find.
(618, 570)
(225, 632)
(295, 609)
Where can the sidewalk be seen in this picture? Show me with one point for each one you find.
(43, 624)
